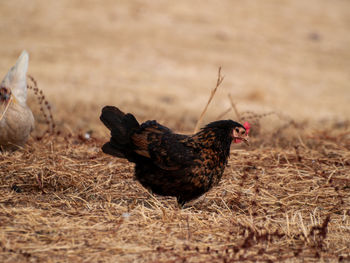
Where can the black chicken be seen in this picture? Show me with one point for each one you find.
(172, 164)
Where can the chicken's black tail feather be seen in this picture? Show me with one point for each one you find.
(122, 126)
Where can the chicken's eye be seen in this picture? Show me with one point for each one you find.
(237, 130)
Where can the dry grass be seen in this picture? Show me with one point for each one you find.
(285, 198)
(63, 200)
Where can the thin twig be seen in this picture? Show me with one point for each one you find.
(45, 107)
(212, 94)
(233, 105)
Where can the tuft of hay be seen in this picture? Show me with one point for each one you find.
(61, 199)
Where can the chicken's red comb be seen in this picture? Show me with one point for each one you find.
(247, 126)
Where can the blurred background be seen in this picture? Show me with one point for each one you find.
(159, 59)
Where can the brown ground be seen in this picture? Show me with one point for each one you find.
(159, 60)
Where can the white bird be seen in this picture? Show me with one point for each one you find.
(16, 118)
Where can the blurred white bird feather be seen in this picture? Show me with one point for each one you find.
(16, 118)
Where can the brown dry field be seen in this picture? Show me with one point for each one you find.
(284, 198)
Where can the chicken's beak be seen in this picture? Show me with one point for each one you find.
(246, 140)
